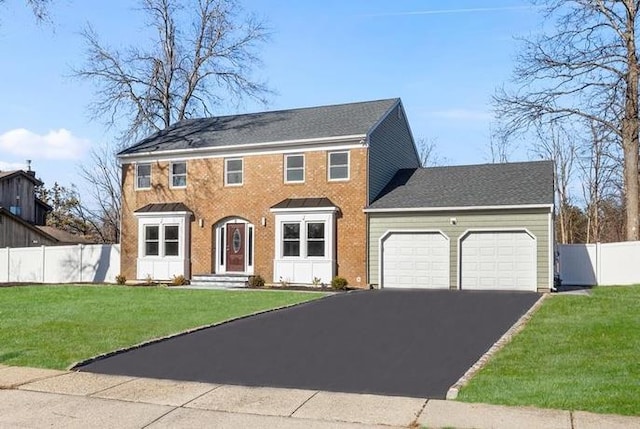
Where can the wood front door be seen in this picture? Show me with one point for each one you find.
(235, 247)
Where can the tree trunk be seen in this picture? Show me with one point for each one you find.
(630, 129)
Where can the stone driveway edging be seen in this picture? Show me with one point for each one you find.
(75, 366)
(453, 391)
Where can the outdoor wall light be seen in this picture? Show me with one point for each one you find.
(453, 221)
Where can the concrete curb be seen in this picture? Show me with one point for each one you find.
(453, 391)
(76, 365)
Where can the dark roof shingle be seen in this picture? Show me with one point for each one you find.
(264, 127)
(298, 203)
(511, 184)
(163, 207)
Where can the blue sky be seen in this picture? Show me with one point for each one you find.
(444, 58)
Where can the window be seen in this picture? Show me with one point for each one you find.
(339, 166)
(294, 168)
(233, 171)
(178, 175)
(291, 239)
(143, 176)
(315, 239)
(151, 240)
(171, 240)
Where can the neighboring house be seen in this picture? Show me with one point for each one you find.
(23, 216)
(469, 227)
(280, 194)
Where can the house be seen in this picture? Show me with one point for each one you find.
(23, 215)
(469, 227)
(21, 212)
(279, 194)
(302, 195)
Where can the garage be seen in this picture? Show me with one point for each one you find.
(415, 260)
(491, 260)
(490, 224)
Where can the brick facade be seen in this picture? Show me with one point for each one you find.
(263, 186)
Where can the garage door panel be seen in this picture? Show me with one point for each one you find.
(498, 260)
(415, 260)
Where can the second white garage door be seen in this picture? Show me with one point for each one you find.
(498, 260)
(415, 260)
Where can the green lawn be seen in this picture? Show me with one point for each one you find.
(577, 352)
(55, 326)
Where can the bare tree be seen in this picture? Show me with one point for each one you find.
(500, 146)
(598, 173)
(101, 208)
(203, 55)
(586, 69)
(556, 142)
(429, 155)
(40, 8)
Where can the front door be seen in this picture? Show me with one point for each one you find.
(235, 247)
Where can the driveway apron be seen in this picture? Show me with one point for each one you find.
(390, 342)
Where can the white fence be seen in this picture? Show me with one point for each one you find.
(600, 263)
(60, 264)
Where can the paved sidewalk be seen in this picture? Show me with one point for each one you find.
(36, 398)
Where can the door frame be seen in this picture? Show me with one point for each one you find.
(220, 230)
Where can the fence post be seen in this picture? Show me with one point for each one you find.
(81, 257)
(598, 264)
(8, 263)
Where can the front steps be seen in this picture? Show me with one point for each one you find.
(218, 281)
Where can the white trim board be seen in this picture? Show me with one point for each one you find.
(457, 208)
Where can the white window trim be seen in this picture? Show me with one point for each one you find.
(150, 176)
(286, 169)
(221, 254)
(226, 171)
(348, 166)
(171, 176)
(304, 218)
(162, 266)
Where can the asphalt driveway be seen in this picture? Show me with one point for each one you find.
(390, 342)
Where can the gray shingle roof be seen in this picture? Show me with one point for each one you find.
(283, 125)
(518, 183)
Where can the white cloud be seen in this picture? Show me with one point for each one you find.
(9, 166)
(462, 114)
(56, 144)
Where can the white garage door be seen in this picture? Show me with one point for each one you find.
(415, 260)
(498, 260)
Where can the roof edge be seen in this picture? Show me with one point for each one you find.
(456, 208)
(274, 144)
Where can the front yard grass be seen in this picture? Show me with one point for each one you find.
(577, 352)
(56, 326)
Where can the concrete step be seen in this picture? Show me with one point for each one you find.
(219, 281)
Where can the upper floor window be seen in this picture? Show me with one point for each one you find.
(338, 165)
(143, 176)
(178, 175)
(233, 171)
(294, 168)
